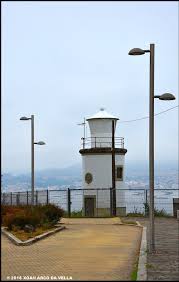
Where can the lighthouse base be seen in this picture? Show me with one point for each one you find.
(103, 212)
(98, 203)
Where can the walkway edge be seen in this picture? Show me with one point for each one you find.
(142, 264)
(18, 242)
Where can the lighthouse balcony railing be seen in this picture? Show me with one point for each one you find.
(102, 142)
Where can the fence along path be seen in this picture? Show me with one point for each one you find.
(134, 200)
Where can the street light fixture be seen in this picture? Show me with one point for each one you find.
(39, 143)
(165, 96)
(24, 118)
(32, 153)
(137, 51)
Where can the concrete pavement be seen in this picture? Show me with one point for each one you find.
(83, 251)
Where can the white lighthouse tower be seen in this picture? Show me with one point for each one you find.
(97, 167)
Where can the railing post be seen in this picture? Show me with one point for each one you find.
(3, 196)
(27, 198)
(36, 198)
(113, 169)
(146, 204)
(11, 198)
(47, 196)
(111, 202)
(96, 202)
(69, 203)
(17, 199)
(83, 143)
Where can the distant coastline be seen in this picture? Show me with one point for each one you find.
(166, 177)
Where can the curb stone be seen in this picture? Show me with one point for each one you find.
(18, 242)
(142, 270)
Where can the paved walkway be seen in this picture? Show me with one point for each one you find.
(84, 251)
(164, 265)
(89, 221)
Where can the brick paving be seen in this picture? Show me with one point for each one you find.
(113, 220)
(164, 265)
(85, 251)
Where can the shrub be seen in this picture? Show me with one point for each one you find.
(36, 216)
(10, 209)
(21, 219)
(52, 212)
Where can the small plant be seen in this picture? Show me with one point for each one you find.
(148, 265)
(128, 222)
(146, 208)
(76, 213)
(135, 213)
(134, 272)
(157, 212)
(161, 213)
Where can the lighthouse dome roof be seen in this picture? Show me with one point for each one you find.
(102, 114)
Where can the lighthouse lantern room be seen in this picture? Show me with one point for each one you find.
(97, 167)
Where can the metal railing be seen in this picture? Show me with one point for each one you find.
(128, 201)
(101, 142)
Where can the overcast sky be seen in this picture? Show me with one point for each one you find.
(63, 61)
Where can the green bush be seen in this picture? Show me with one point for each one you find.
(52, 212)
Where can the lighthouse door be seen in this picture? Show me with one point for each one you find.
(89, 206)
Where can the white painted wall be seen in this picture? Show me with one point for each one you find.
(101, 128)
(100, 166)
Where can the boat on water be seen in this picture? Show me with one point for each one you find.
(168, 193)
(137, 193)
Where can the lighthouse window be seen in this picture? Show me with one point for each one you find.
(119, 173)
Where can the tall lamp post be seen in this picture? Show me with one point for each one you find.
(166, 96)
(32, 153)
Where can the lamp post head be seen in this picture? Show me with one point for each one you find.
(40, 143)
(24, 118)
(136, 51)
(167, 96)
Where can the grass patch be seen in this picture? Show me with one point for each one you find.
(23, 236)
(128, 221)
(79, 214)
(134, 272)
(76, 214)
(157, 212)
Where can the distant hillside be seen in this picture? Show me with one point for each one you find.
(45, 178)
(73, 174)
(141, 168)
